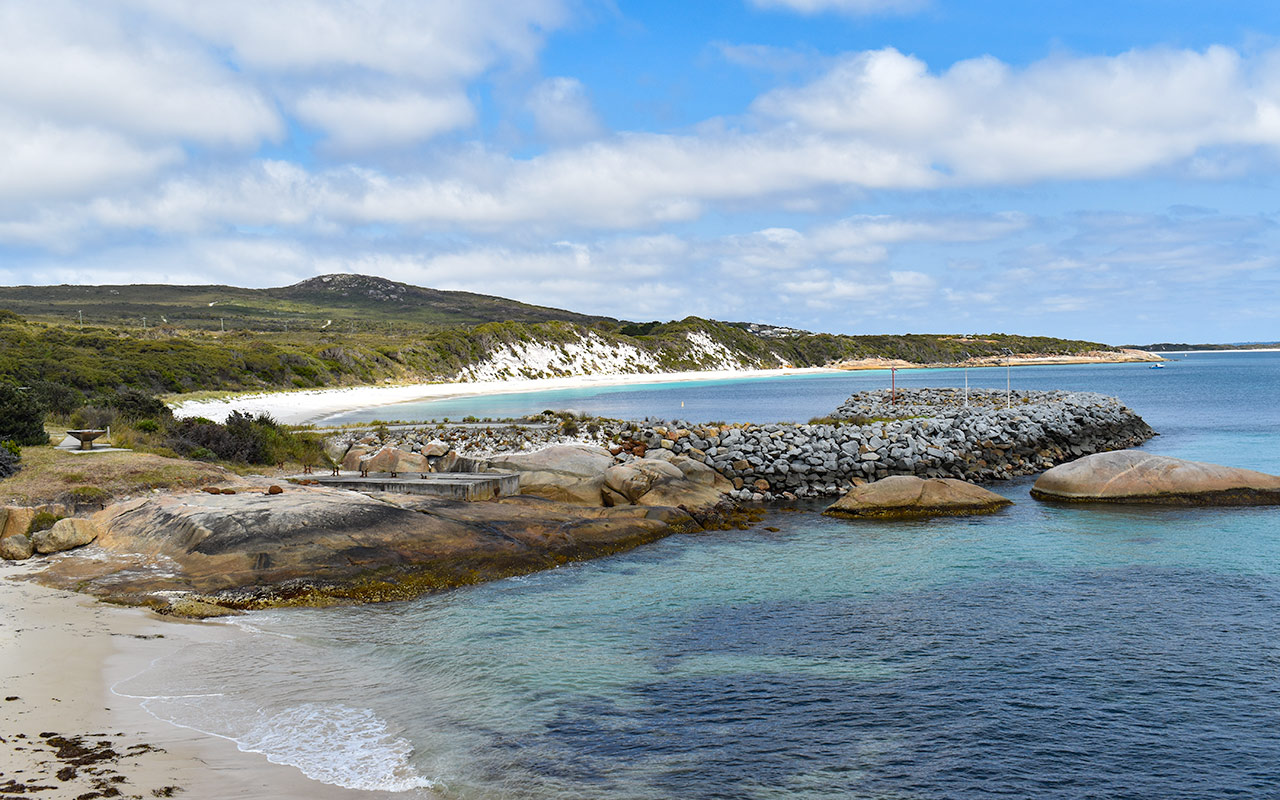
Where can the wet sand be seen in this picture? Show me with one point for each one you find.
(62, 727)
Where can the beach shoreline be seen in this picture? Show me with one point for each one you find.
(61, 654)
(313, 405)
(307, 406)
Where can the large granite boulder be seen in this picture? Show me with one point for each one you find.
(16, 547)
(393, 459)
(1132, 476)
(568, 473)
(907, 497)
(64, 535)
(678, 482)
(317, 545)
(16, 520)
(358, 453)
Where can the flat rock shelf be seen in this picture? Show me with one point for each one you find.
(450, 485)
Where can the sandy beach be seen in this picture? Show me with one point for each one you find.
(314, 405)
(63, 728)
(301, 407)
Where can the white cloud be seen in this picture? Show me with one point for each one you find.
(40, 160)
(437, 42)
(75, 65)
(562, 111)
(983, 121)
(357, 120)
(852, 7)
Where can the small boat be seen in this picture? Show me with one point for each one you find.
(1157, 366)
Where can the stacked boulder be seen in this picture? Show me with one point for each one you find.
(931, 434)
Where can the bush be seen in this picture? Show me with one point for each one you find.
(93, 417)
(246, 440)
(8, 462)
(21, 417)
(88, 494)
(57, 398)
(147, 425)
(42, 521)
(131, 404)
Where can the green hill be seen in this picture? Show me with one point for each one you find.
(352, 329)
(353, 302)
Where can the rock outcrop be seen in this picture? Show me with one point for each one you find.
(317, 545)
(64, 535)
(906, 497)
(569, 473)
(1132, 476)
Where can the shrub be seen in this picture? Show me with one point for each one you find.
(131, 404)
(13, 447)
(88, 494)
(42, 521)
(147, 425)
(21, 417)
(244, 439)
(8, 462)
(93, 417)
(57, 398)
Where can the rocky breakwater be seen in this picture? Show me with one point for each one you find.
(929, 433)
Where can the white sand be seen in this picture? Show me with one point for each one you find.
(310, 405)
(60, 654)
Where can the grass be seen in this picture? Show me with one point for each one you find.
(49, 475)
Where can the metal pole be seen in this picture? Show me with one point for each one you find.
(893, 384)
(1008, 378)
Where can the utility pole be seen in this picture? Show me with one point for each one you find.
(1008, 378)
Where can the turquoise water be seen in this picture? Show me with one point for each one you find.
(1048, 652)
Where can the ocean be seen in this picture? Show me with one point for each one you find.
(1042, 652)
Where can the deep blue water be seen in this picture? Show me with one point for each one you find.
(1044, 652)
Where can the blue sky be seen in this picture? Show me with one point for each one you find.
(1092, 170)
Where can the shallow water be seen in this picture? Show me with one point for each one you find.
(1045, 651)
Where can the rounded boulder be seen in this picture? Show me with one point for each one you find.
(909, 497)
(1132, 476)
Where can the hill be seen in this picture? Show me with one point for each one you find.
(352, 329)
(354, 302)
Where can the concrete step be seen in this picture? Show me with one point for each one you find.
(450, 485)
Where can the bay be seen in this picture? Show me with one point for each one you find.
(1046, 651)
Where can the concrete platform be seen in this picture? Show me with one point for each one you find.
(450, 485)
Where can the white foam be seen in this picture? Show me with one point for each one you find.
(339, 745)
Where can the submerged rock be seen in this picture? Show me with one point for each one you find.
(1132, 476)
(906, 496)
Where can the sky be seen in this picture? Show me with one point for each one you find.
(1095, 170)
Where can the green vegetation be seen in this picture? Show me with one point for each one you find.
(50, 475)
(10, 455)
(353, 330)
(42, 521)
(21, 417)
(350, 303)
(243, 439)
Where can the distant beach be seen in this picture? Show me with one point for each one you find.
(309, 405)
